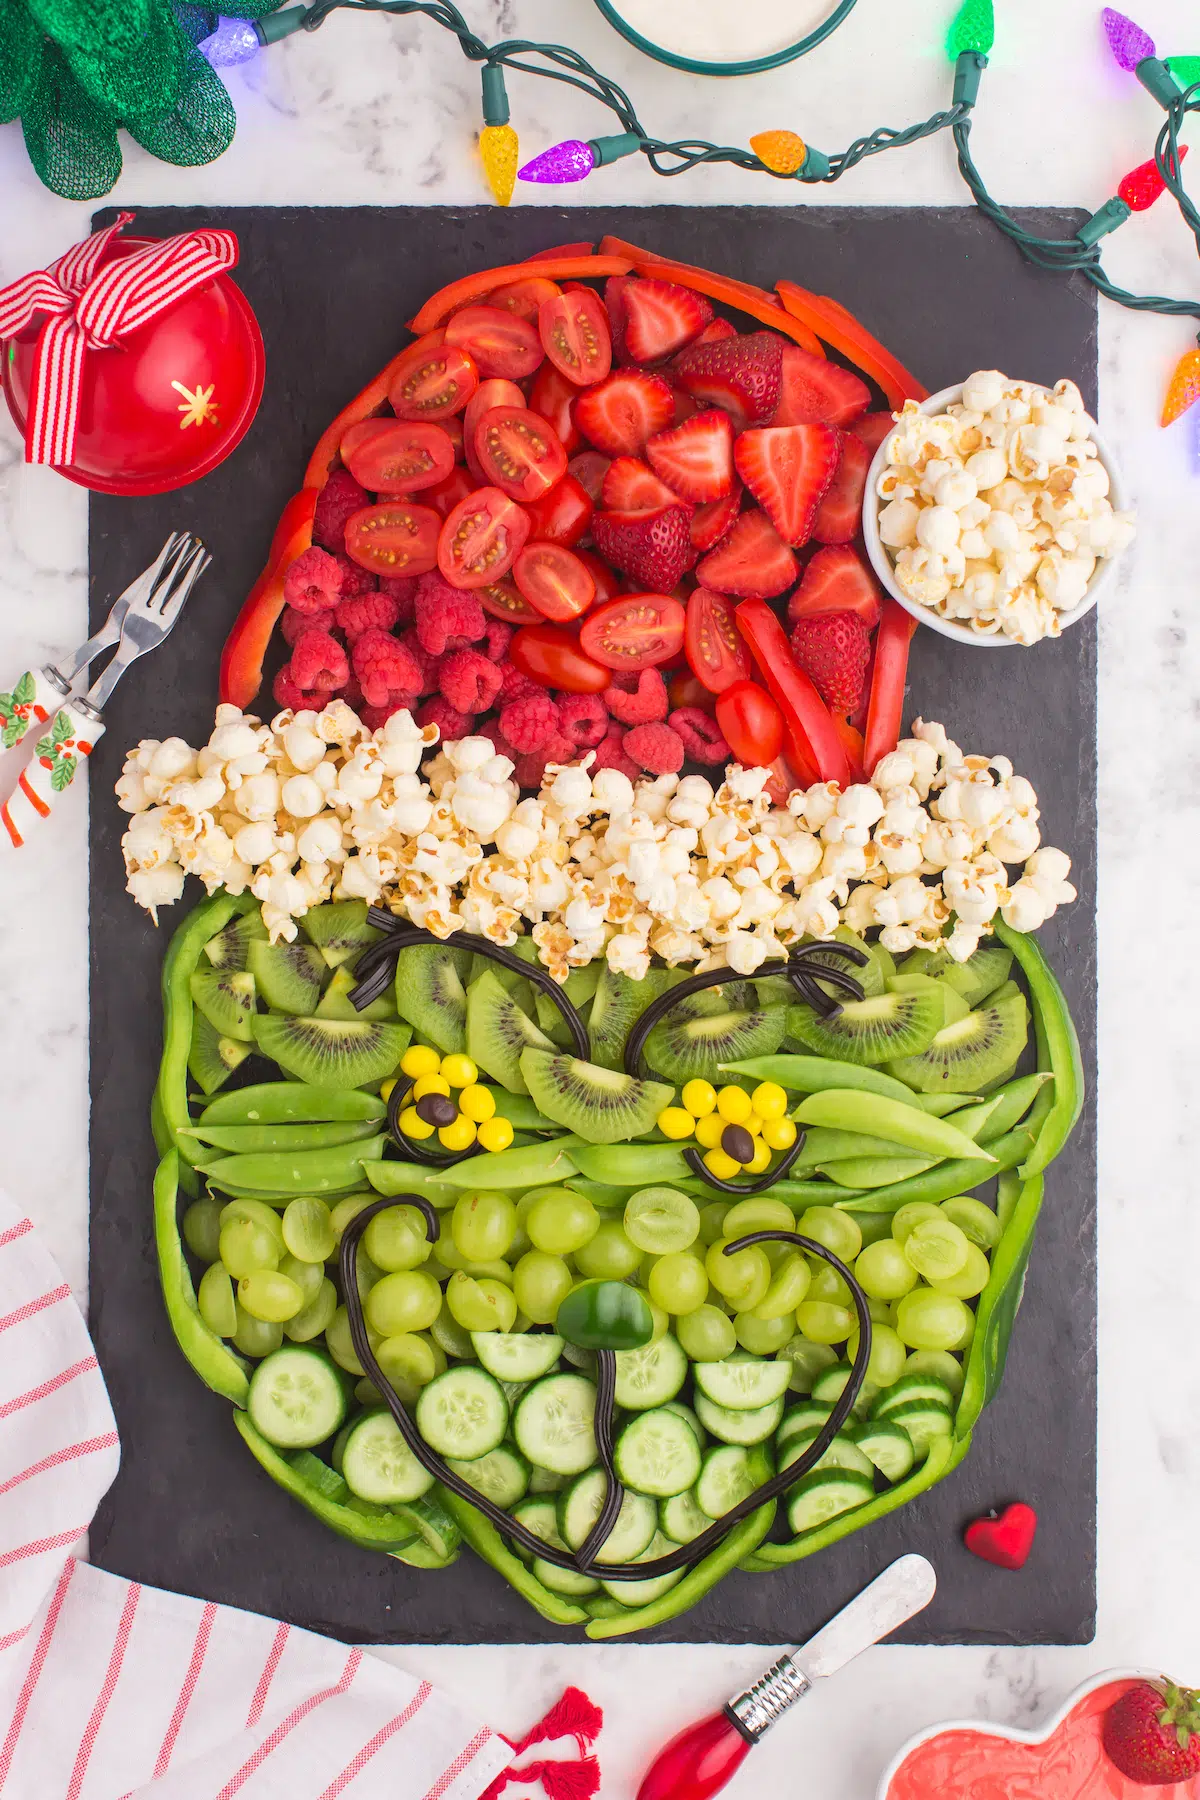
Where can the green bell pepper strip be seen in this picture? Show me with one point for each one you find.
(945, 1179)
(487, 1543)
(1008, 1192)
(292, 1103)
(1056, 1032)
(169, 1109)
(874, 1115)
(298, 1172)
(997, 1310)
(813, 1074)
(215, 1364)
(605, 1315)
(164, 1140)
(741, 1542)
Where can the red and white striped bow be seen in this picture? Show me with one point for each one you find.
(91, 308)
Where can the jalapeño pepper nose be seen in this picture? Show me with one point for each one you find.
(605, 1315)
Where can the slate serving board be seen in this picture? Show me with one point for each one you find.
(190, 1510)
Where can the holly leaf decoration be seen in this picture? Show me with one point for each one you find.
(44, 747)
(14, 724)
(61, 729)
(63, 772)
(24, 691)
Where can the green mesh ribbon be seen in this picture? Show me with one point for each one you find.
(77, 71)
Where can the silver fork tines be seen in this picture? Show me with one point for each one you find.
(63, 674)
(162, 590)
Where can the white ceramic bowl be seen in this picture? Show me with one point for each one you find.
(1011, 1733)
(1102, 578)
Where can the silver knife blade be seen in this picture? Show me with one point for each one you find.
(904, 1588)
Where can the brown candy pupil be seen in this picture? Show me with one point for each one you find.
(435, 1109)
(737, 1143)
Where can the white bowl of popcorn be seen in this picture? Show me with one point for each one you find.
(995, 512)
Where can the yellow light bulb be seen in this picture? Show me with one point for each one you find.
(499, 151)
(782, 151)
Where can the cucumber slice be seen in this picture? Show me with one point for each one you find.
(579, 1508)
(462, 1413)
(888, 1446)
(924, 1421)
(296, 1398)
(517, 1355)
(742, 1425)
(742, 1383)
(538, 1516)
(843, 1453)
(824, 1494)
(928, 1388)
(685, 1412)
(502, 1476)
(829, 1385)
(727, 1476)
(641, 1593)
(681, 1518)
(658, 1453)
(652, 1375)
(377, 1464)
(554, 1424)
(545, 1481)
(810, 1417)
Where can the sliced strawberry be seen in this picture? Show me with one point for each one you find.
(839, 514)
(833, 649)
(836, 580)
(660, 318)
(652, 548)
(696, 458)
(629, 486)
(685, 406)
(614, 304)
(742, 375)
(621, 412)
(872, 428)
(710, 523)
(589, 469)
(817, 392)
(788, 468)
(753, 562)
(715, 330)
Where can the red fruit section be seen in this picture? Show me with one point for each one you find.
(787, 469)
(432, 379)
(753, 562)
(716, 651)
(653, 549)
(839, 511)
(660, 318)
(574, 332)
(498, 342)
(636, 631)
(555, 658)
(480, 539)
(629, 486)
(622, 412)
(743, 375)
(818, 392)
(696, 458)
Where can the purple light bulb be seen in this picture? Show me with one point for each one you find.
(234, 41)
(572, 160)
(1127, 41)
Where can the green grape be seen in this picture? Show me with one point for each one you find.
(396, 1240)
(409, 1363)
(965, 1337)
(873, 1226)
(937, 1249)
(202, 1229)
(307, 1276)
(610, 1256)
(970, 1280)
(246, 1246)
(883, 1271)
(347, 1209)
(827, 1284)
(409, 1300)
(483, 1225)
(541, 1283)
(837, 1231)
(366, 1271)
(926, 1320)
(823, 1322)
(480, 1305)
(215, 1299)
(882, 1311)
(367, 1394)
(661, 1221)
(340, 1344)
(807, 1360)
(790, 1282)
(947, 1368)
(706, 1335)
(561, 1221)
(645, 1267)
(678, 1282)
(972, 1217)
(316, 1316)
(910, 1215)
(449, 1335)
(497, 1270)
(256, 1337)
(763, 1336)
(885, 1364)
(712, 1221)
(259, 1212)
(762, 1214)
(743, 1277)
(268, 1295)
(308, 1230)
(661, 1318)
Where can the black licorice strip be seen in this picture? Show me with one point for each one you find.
(432, 1159)
(759, 1185)
(614, 1499)
(520, 1534)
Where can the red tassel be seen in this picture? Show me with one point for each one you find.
(571, 1780)
(571, 1716)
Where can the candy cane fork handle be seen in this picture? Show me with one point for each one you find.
(67, 738)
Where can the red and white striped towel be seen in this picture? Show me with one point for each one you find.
(114, 1691)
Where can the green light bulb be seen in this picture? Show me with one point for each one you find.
(1185, 69)
(974, 28)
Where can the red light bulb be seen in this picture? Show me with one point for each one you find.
(697, 1763)
(1143, 185)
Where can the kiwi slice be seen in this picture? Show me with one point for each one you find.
(331, 1053)
(866, 1031)
(430, 994)
(980, 975)
(579, 988)
(498, 1031)
(972, 1051)
(602, 1106)
(213, 1058)
(953, 1005)
(335, 1002)
(289, 976)
(339, 930)
(618, 1003)
(682, 1049)
(228, 949)
(226, 998)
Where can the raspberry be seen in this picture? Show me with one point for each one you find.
(351, 693)
(516, 686)
(468, 681)
(313, 583)
(499, 637)
(638, 702)
(443, 612)
(583, 719)
(318, 662)
(655, 748)
(530, 724)
(288, 694)
(452, 725)
(293, 623)
(530, 769)
(340, 497)
(375, 716)
(403, 590)
(367, 612)
(610, 755)
(702, 740)
(490, 729)
(427, 664)
(385, 668)
(355, 579)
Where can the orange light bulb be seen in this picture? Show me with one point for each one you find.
(781, 151)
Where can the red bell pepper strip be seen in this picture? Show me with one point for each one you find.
(485, 281)
(742, 295)
(843, 331)
(246, 645)
(852, 743)
(885, 710)
(812, 738)
(563, 250)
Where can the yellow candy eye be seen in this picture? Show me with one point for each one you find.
(495, 1134)
(458, 1136)
(780, 1134)
(420, 1059)
(708, 1131)
(722, 1166)
(761, 1159)
(699, 1097)
(430, 1084)
(769, 1100)
(477, 1102)
(753, 1123)
(673, 1122)
(413, 1125)
(385, 1089)
(459, 1070)
(733, 1104)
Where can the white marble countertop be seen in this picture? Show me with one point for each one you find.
(383, 111)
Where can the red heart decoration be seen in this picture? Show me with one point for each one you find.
(1004, 1539)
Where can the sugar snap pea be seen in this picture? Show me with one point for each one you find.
(741, 1542)
(956, 1176)
(247, 1138)
(520, 1110)
(992, 1117)
(1008, 1192)
(941, 1104)
(531, 1165)
(291, 1103)
(1059, 1043)
(813, 1074)
(304, 1172)
(486, 1542)
(631, 1165)
(851, 1109)
(824, 1144)
(216, 1365)
(875, 1171)
(409, 1178)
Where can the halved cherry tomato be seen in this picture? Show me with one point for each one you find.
(446, 495)
(563, 513)
(575, 335)
(479, 540)
(525, 297)
(498, 342)
(432, 379)
(554, 581)
(502, 601)
(397, 537)
(552, 656)
(589, 469)
(608, 582)
(635, 631)
(496, 391)
(751, 724)
(551, 397)
(716, 650)
(518, 452)
(686, 689)
(453, 428)
(397, 456)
